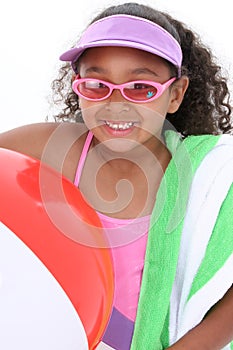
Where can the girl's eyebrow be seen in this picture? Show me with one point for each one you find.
(95, 69)
(144, 71)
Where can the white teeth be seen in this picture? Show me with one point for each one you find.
(120, 126)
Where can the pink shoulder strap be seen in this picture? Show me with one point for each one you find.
(83, 158)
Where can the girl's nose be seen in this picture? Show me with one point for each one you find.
(117, 107)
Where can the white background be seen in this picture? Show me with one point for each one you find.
(35, 33)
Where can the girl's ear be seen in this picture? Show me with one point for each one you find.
(177, 93)
(73, 77)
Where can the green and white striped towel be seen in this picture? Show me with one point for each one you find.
(189, 257)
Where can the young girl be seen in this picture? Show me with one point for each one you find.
(154, 106)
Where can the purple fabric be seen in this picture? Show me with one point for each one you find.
(128, 31)
(119, 331)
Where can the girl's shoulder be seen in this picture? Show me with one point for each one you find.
(57, 144)
(32, 139)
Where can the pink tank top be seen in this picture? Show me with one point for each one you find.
(128, 263)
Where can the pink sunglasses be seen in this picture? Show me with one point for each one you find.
(134, 91)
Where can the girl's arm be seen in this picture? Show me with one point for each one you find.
(214, 332)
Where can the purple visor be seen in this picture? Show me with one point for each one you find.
(128, 31)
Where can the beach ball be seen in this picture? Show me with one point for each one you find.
(56, 282)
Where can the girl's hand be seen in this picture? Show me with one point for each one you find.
(214, 332)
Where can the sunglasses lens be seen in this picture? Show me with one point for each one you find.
(140, 91)
(93, 89)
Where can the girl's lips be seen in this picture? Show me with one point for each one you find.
(119, 128)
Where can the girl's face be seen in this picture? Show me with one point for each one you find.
(117, 120)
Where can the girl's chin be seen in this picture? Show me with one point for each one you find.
(120, 145)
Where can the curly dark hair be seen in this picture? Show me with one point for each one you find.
(206, 106)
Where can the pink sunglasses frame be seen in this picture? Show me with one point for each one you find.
(160, 88)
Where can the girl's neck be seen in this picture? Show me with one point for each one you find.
(124, 185)
(156, 155)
